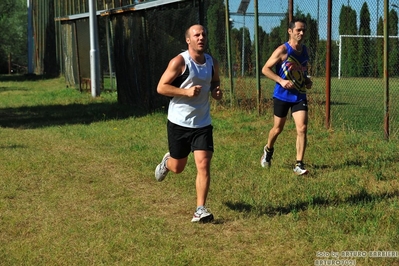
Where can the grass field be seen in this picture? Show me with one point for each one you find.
(77, 187)
(356, 103)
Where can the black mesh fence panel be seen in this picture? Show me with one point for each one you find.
(144, 42)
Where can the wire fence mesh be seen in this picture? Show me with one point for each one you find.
(144, 40)
(359, 95)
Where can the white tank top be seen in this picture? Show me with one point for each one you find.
(192, 112)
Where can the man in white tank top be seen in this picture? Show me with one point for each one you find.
(189, 79)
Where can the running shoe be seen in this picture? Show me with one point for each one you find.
(299, 169)
(202, 215)
(161, 171)
(266, 159)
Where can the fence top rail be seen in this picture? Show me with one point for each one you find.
(366, 36)
(77, 16)
(139, 6)
(123, 9)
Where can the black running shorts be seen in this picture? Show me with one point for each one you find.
(281, 108)
(183, 140)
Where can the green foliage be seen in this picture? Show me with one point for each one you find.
(364, 60)
(393, 44)
(275, 38)
(236, 50)
(248, 52)
(240, 36)
(216, 30)
(380, 48)
(14, 33)
(320, 61)
(364, 27)
(348, 26)
(357, 53)
(264, 45)
(363, 57)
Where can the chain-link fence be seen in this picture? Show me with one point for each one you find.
(143, 36)
(360, 97)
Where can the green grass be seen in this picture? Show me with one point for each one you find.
(77, 187)
(356, 103)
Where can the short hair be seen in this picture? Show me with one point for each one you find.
(187, 33)
(295, 20)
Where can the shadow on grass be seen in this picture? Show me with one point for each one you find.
(362, 197)
(26, 77)
(12, 146)
(3, 89)
(57, 115)
(347, 163)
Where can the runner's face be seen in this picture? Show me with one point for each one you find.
(197, 39)
(298, 31)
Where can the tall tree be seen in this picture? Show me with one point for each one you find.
(393, 44)
(275, 39)
(393, 65)
(348, 26)
(380, 49)
(216, 30)
(263, 45)
(321, 58)
(236, 50)
(364, 43)
(247, 50)
(13, 28)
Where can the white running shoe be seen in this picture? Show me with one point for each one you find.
(161, 171)
(299, 169)
(202, 215)
(266, 159)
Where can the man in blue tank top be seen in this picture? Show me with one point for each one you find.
(290, 61)
(189, 79)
